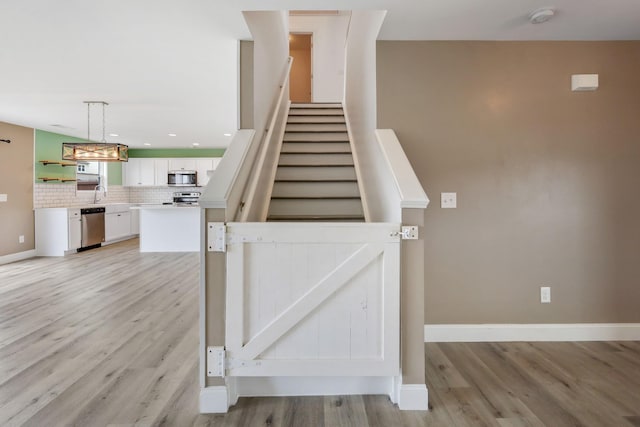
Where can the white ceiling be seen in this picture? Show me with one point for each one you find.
(168, 66)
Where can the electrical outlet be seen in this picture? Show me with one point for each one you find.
(21, 239)
(448, 200)
(3, 197)
(545, 294)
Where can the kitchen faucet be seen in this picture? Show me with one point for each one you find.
(95, 193)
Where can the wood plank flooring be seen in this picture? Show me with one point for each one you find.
(109, 337)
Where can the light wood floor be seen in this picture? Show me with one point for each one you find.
(109, 337)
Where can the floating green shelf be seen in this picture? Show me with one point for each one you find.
(55, 162)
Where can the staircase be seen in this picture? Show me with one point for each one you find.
(316, 178)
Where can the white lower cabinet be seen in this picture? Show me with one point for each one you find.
(75, 229)
(117, 223)
(135, 221)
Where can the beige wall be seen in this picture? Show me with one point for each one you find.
(246, 84)
(16, 181)
(548, 180)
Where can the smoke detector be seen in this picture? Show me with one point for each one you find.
(541, 15)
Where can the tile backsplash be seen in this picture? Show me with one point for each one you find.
(63, 195)
(151, 194)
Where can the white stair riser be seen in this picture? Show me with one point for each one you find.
(316, 159)
(328, 173)
(315, 189)
(316, 119)
(316, 112)
(316, 127)
(316, 137)
(316, 105)
(315, 207)
(316, 147)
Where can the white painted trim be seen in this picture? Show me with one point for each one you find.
(202, 318)
(112, 241)
(214, 400)
(356, 164)
(226, 176)
(413, 397)
(6, 259)
(533, 332)
(312, 386)
(412, 195)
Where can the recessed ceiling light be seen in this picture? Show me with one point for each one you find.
(541, 15)
(227, 134)
(172, 134)
(147, 144)
(113, 134)
(195, 144)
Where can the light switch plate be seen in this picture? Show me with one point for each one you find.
(448, 200)
(3, 197)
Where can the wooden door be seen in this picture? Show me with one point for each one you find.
(300, 46)
(312, 299)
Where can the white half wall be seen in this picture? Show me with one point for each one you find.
(329, 38)
(360, 110)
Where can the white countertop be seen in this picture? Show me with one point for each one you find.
(155, 206)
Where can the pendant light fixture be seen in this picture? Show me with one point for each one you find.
(95, 151)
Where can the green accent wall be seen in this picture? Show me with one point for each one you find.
(48, 146)
(175, 152)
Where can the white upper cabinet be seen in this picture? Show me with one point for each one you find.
(162, 171)
(139, 172)
(182, 164)
(202, 166)
(152, 172)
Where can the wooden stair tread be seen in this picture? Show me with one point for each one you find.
(316, 105)
(316, 180)
(314, 166)
(315, 152)
(316, 197)
(315, 218)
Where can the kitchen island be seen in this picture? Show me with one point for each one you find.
(169, 228)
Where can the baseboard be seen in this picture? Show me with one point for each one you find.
(214, 400)
(533, 332)
(20, 256)
(312, 386)
(413, 397)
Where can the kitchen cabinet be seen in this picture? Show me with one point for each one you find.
(58, 231)
(135, 221)
(117, 222)
(75, 229)
(185, 164)
(202, 166)
(140, 172)
(161, 172)
(152, 172)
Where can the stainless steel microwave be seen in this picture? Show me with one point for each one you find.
(183, 178)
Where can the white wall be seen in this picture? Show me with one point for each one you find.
(329, 36)
(270, 31)
(360, 108)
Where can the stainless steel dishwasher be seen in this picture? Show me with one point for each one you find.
(92, 227)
